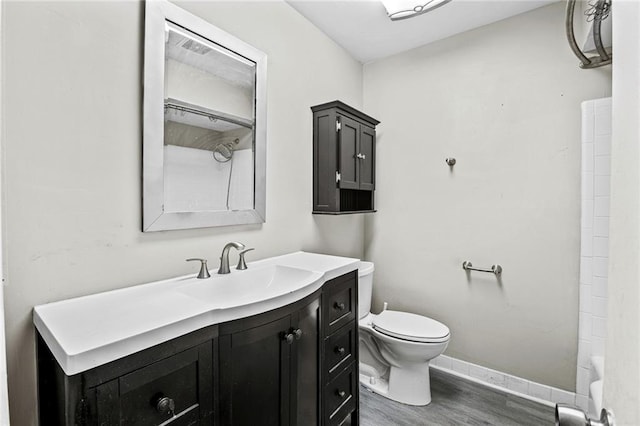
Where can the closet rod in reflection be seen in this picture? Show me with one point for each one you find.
(186, 107)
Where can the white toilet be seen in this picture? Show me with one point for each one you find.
(396, 347)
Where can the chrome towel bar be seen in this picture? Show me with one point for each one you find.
(495, 269)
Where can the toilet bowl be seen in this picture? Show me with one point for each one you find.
(396, 347)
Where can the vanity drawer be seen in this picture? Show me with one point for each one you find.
(340, 396)
(340, 302)
(339, 350)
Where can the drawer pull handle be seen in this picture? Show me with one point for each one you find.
(297, 333)
(339, 350)
(341, 393)
(165, 405)
(339, 306)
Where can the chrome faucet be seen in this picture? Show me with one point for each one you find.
(224, 259)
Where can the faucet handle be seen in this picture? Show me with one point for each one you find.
(242, 265)
(204, 271)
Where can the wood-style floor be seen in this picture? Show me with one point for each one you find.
(455, 401)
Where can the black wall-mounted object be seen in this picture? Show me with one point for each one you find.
(344, 158)
(293, 366)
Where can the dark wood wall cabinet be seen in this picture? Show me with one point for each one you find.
(344, 157)
(296, 365)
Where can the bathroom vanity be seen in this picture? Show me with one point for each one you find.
(273, 345)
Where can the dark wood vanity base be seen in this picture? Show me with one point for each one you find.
(295, 365)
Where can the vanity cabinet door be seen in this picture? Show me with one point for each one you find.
(305, 407)
(254, 375)
(269, 368)
(174, 391)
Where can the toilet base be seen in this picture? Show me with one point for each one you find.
(408, 385)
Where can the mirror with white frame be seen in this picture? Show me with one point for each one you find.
(204, 142)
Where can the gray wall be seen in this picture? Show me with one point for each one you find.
(72, 156)
(504, 100)
(622, 369)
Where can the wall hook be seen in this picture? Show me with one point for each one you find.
(450, 161)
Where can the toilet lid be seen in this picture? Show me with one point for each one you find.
(412, 327)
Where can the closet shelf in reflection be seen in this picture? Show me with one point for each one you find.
(198, 116)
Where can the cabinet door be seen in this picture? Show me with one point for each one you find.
(367, 158)
(349, 140)
(305, 407)
(255, 375)
(174, 391)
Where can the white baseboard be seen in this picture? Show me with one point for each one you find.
(504, 382)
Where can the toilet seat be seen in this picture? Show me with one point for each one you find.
(411, 327)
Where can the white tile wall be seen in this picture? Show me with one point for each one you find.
(599, 327)
(600, 226)
(599, 287)
(586, 270)
(582, 402)
(602, 165)
(601, 206)
(600, 247)
(600, 267)
(583, 380)
(599, 307)
(594, 250)
(584, 353)
(584, 326)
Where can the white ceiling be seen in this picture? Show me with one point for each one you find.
(364, 30)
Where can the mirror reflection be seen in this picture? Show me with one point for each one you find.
(209, 121)
(205, 125)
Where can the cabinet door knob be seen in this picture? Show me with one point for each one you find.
(361, 156)
(340, 350)
(297, 333)
(165, 405)
(341, 393)
(339, 306)
(288, 337)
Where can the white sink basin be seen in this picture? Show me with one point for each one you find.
(249, 286)
(120, 322)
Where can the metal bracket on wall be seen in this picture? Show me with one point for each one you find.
(599, 11)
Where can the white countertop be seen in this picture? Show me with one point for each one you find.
(85, 332)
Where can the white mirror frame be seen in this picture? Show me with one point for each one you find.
(154, 216)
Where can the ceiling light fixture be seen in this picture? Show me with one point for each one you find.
(403, 9)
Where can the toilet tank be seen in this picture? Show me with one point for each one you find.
(365, 288)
